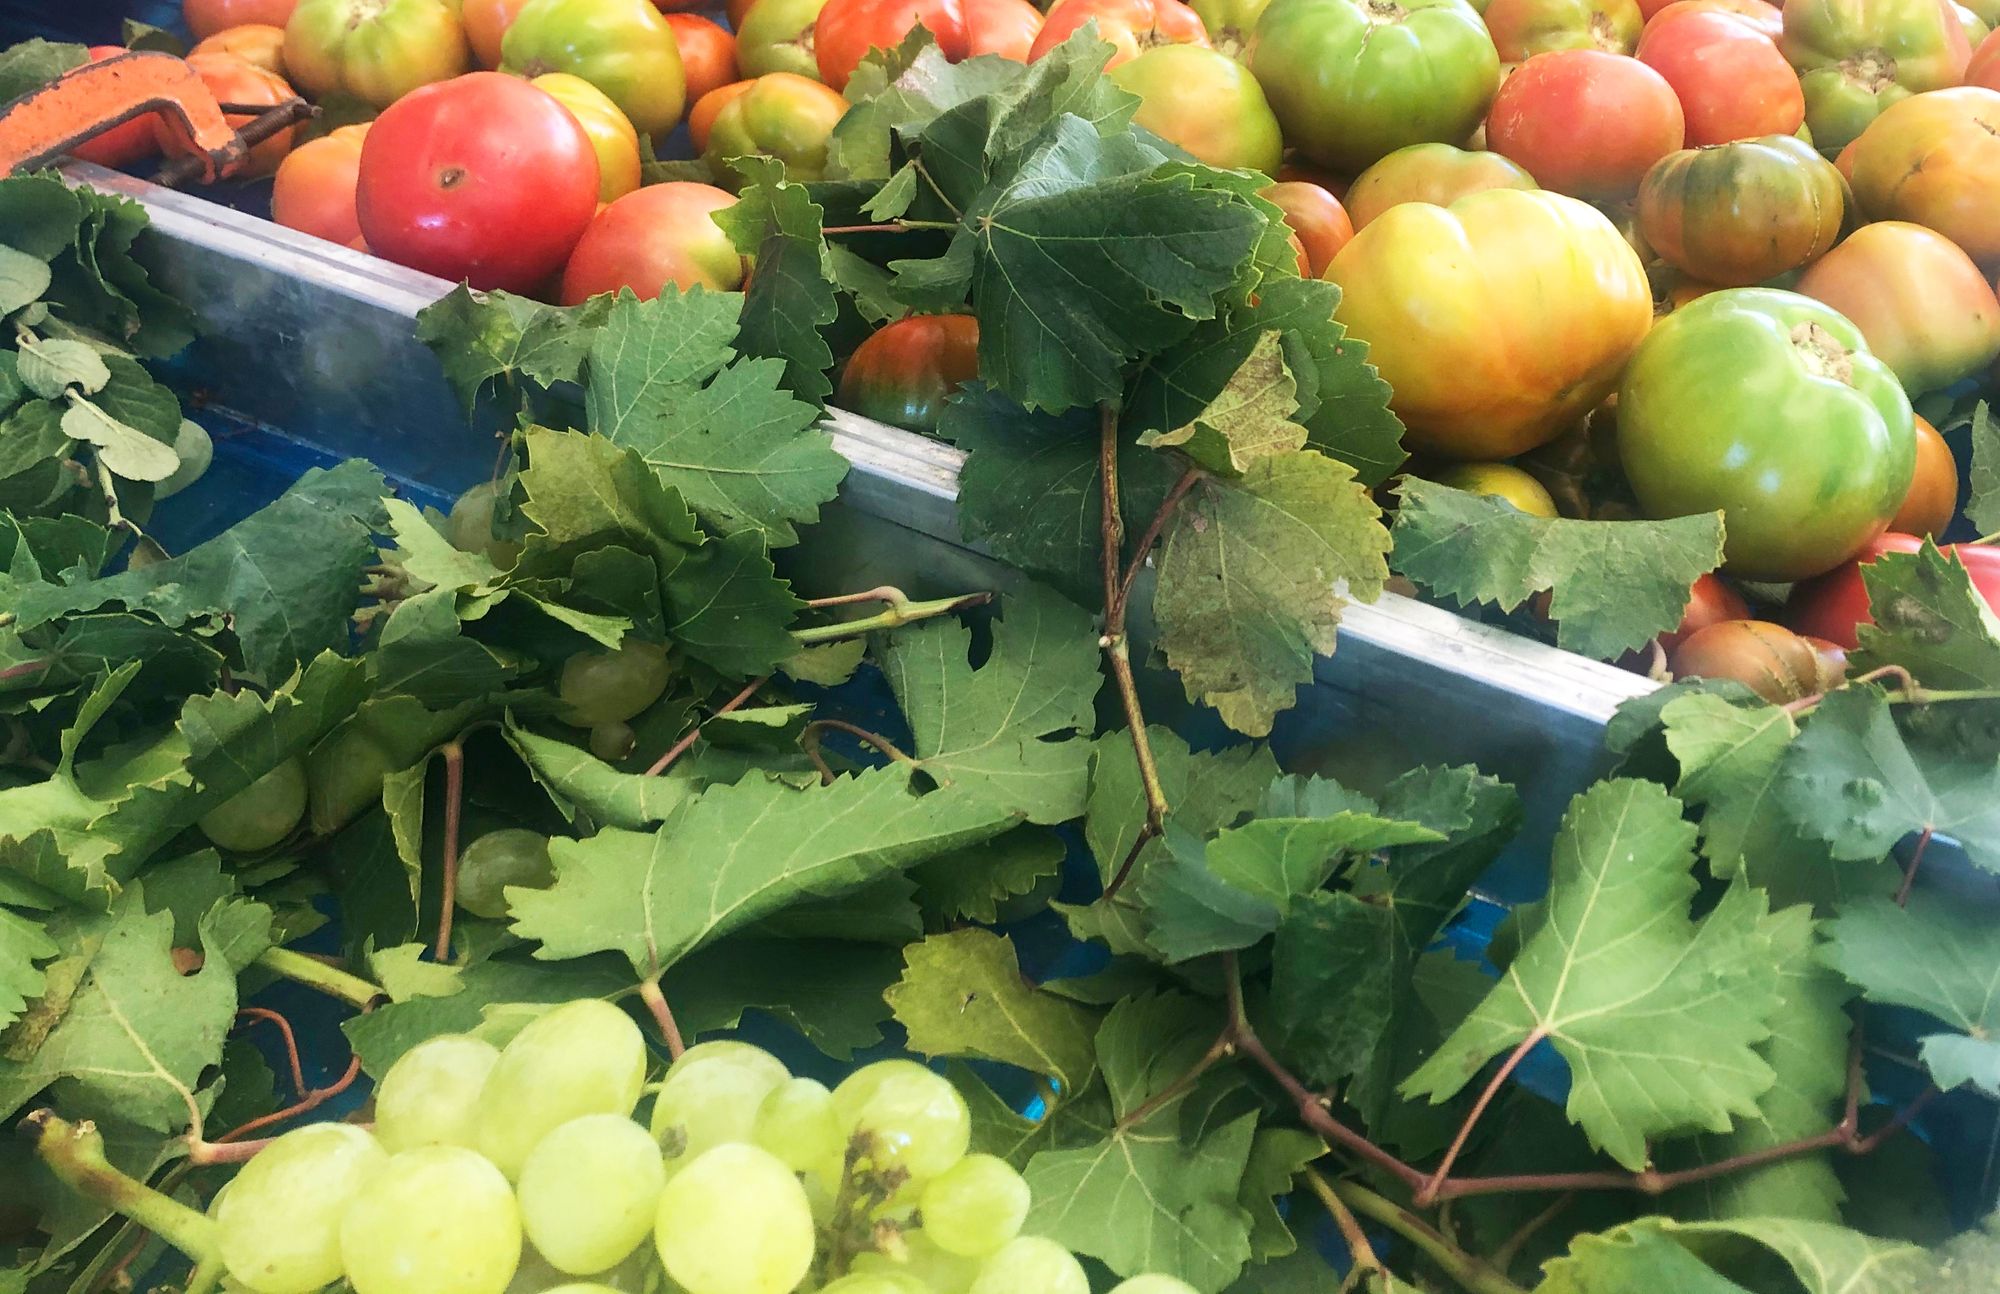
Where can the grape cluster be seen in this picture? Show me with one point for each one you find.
(521, 1170)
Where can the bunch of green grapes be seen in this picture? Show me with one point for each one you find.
(522, 1170)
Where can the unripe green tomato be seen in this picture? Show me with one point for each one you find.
(375, 50)
(1842, 100)
(1923, 39)
(1231, 24)
(261, 814)
(599, 687)
(783, 116)
(1769, 407)
(1207, 103)
(777, 36)
(623, 47)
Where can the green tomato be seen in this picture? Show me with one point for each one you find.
(781, 115)
(1351, 81)
(376, 50)
(1921, 40)
(1205, 102)
(1768, 406)
(1230, 23)
(777, 36)
(261, 814)
(1842, 100)
(623, 47)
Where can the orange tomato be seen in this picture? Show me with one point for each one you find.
(1934, 159)
(486, 23)
(708, 53)
(258, 44)
(1933, 498)
(1132, 26)
(207, 17)
(1923, 306)
(314, 189)
(231, 80)
(1317, 220)
(1766, 18)
(1435, 173)
(662, 234)
(702, 119)
(612, 135)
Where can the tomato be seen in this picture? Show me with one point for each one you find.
(1524, 28)
(125, 143)
(905, 371)
(1731, 81)
(663, 233)
(314, 190)
(1354, 80)
(1984, 69)
(612, 137)
(1836, 604)
(779, 36)
(708, 53)
(1922, 39)
(483, 178)
(1585, 123)
(1767, 658)
(1935, 159)
(1925, 308)
(623, 47)
(779, 115)
(486, 23)
(258, 44)
(1435, 173)
(702, 116)
(1132, 26)
(1976, 28)
(1230, 24)
(1501, 481)
(1710, 602)
(1767, 20)
(1842, 100)
(233, 81)
(1497, 321)
(207, 17)
(1933, 498)
(375, 50)
(848, 29)
(1205, 102)
(1767, 406)
(1740, 213)
(1317, 220)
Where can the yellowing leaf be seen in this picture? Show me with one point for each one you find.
(962, 994)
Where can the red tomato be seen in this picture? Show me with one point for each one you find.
(1132, 26)
(1004, 27)
(486, 23)
(482, 178)
(258, 44)
(848, 29)
(708, 53)
(662, 234)
(314, 189)
(1933, 498)
(231, 80)
(1710, 602)
(1585, 123)
(1317, 219)
(1833, 605)
(1767, 19)
(207, 17)
(1732, 82)
(121, 145)
(1984, 69)
(904, 372)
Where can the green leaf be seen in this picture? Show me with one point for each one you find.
(664, 382)
(22, 945)
(579, 781)
(1982, 507)
(23, 279)
(902, 91)
(499, 338)
(404, 974)
(49, 367)
(1856, 781)
(962, 994)
(1248, 419)
(972, 884)
(1660, 1017)
(1253, 575)
(1617, 584)
(34, 63)
(1188, 911)
(1209, 790)
(1929, 620)
(830, 991)
(1662, 1254)
(134, 34)
(126, 451)
(384, 1034)
(1003, 735)
(1277, 1156)
(1934, 956)
(790, 301)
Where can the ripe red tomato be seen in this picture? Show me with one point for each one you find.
(903, 373)
(231, 80)
(1710, 602)
(482, 178)
(1933, 498)
(1524, 28)
(1741, 213)
(848, 29)
(1836, 603)
(1732, 82)
(708, 53)
(1585, 123)
(1767, 19)
(121, 145)
(1132, 26)
(1316, 218)
(258, 44)
(661, 234)
(207, 17)
(314, 189)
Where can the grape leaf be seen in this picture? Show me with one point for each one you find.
(1928, 619)
(1252, 577)
(380, 1037)
(1277, 1157)
(665, 382)
(830, 991)
(1934, 956)
(1660, 1017)
(22, 944)
(23, 279)
(1982, 507)
(1209, 790)
(125, 451)
(34, 63)
(1661, 1253)
(494, 338)
(1856, 781)
(972, 884)
(790, 300)
(50, 367)
(962, 994)
(1002, 735)
(1616, 584)
(578, 780)
(1248, 419)
(903, 90)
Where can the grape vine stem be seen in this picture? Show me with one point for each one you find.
(901, 610)
(693, 734)
(74, 1152)
(1365, 1259)
(1470, 1273)
(316, 974)
(663, 1015)
(454, 806)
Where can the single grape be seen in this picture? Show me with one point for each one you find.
(875, 1283)
(469, 528)
(584, 1057)
(600, 687)
(612, 742)
(711, 1096)
(196, 451)
(734, 1221)
(432, 1220)
(1028, 1265)
(262, 813)
(344, 777)
(498, 859)
(579, 1287)
(916, 1118)
(278, 1221)
(1154, 1283)
(589, 1191)
(430, 1096)
(798, 1123)
(975, 1206)
(921, 1259)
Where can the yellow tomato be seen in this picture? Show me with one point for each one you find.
(612, 136)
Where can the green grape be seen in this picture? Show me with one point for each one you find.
(469, 528)
(711, 1096)
(262, 813)
(432, 1220)
(579, 1287)
(589, 1190)
(600, 687)
(584, 1057)
(975, 1206)
(498, 859)
(277, 1224)
(875, 1283)
(344, 777)
(612, 742)
(1154, 1283)
(921, 1259)
(916, 1118)
(430, 1096)
(1028, 1265)
(735, 1221)
(798, 1124)
(196, 451)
